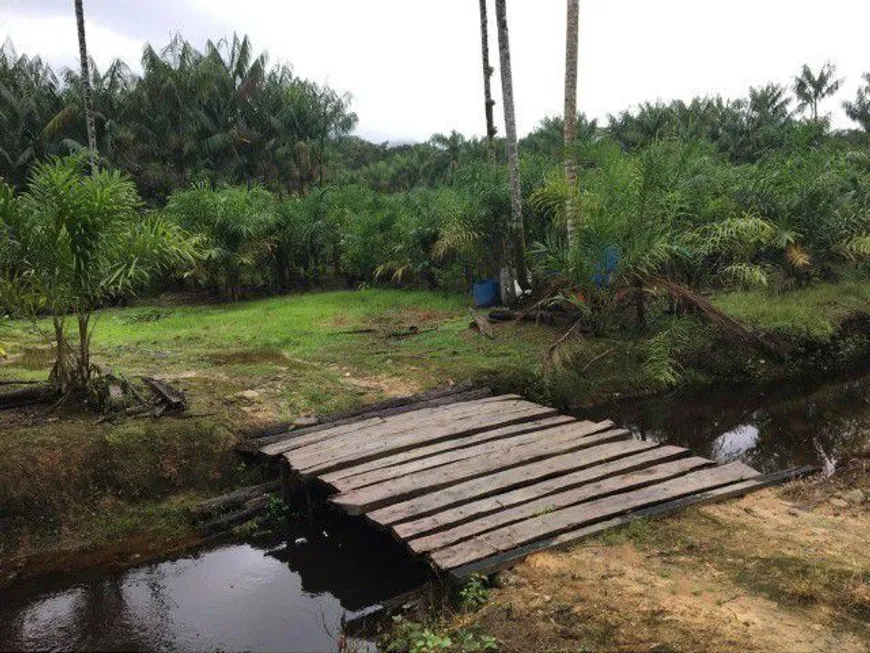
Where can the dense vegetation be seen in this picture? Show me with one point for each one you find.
(257, 166)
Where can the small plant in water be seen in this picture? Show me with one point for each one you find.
(475, 593)
(277, 511)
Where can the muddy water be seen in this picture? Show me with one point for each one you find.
(280, 595)
(292, 594)
(771, 428)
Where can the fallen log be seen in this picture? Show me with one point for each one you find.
(482, 325)
(502, 315)
(538, 316)
(42, 394)
(233, 499)
(252, 508)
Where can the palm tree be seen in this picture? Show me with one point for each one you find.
(811, 89)
(28, 98)
(487, 89)
(859, 110)
(515, 240)
(86, 242)
(570, 119)
(86, 85)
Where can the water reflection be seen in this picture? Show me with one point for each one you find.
(736, 443)
(272, 596)
(772, 428)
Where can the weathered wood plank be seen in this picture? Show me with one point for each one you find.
(455, 455)
(510, 515)
(442, 396)
(567, 519)
(406, 424)
(382, 445)
(447, 445)
(509, 558)
(634, 454)
(376, 496)
(481, 507)
(296, 441)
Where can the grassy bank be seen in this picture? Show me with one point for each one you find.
(67, 482)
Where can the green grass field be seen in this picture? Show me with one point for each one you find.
(313, 352)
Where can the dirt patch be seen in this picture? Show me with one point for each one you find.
(406, 319)
(389, 386)
(756, 574)
(248, 357)
(30, 358)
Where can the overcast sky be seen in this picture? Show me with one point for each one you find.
(413, 66)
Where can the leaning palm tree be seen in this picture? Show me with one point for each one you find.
(487, 89)
(570, 120)
(514, 246)
(86, 85)
(811, 88)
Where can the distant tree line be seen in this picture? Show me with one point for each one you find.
(220, 115)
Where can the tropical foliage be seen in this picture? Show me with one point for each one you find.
(77, 241)
(221, 114)
(258, 166)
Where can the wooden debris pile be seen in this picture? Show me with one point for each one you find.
(121, 398)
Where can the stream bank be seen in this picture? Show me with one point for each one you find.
(781, 557)
(115, 496)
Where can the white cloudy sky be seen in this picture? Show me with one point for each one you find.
(413, 66)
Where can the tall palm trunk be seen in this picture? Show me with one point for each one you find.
(489, 103)
(515, 239)
(86, 85)
(572, 208)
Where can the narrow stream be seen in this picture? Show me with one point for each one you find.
(292, 594)
(277, 595)
(771, 428)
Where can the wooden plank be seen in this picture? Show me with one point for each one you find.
(509, 558)
(634, 454)
(510, 515)
(323, 433)
(376, 496)
(381, 445)
(327, 434)
(497, 502)
(294, 442)
(567, 519)
(394, 406)
(409, 423)
(447, 445)
(455, 455)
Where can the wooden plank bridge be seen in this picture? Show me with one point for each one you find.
(475, 483)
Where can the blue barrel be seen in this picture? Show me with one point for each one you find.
(486, 293)
(602, 272)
